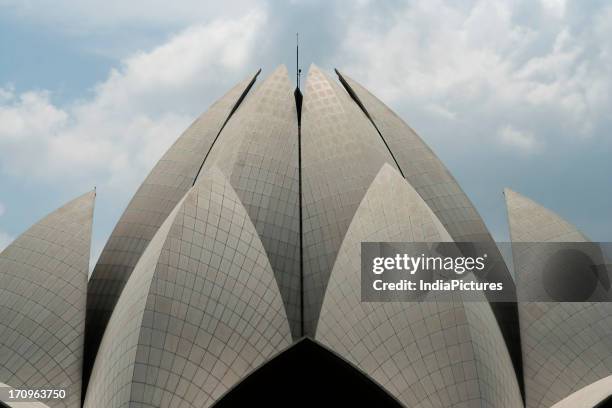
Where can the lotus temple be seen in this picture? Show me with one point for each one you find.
(233, 276)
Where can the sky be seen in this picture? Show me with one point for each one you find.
(508, 93)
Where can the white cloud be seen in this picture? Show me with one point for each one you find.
(555, 8)
(6, 94)
(133, 116)
(5, 240)
(482, 60)
(31, 113)
(431, 48)
(88, 15)
(440, 111)
(522, 140)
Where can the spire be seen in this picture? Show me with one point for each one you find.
(298, 70)
(298, 73)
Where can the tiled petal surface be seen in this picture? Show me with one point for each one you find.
(431, 354)
(201, 310)
(258, 152)
(341, 155)
(439, 189)
(566, 346)
(165, 185)
(43, 282)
